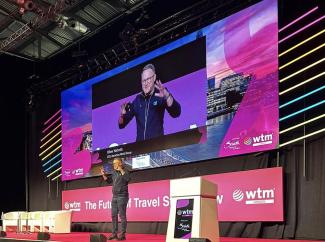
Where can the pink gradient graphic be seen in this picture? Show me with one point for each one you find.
(255, 195)
(245, 42)
(249, 47)
(79, 161)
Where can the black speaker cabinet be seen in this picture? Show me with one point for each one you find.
(97, 238)
(43, 236)
(199, 240)
(3, 234)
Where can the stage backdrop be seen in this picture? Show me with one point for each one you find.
(255, 195)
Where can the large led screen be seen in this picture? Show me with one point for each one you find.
(210, 94)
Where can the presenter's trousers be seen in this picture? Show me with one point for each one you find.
(119, 208)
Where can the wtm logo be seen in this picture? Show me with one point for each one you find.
(186, 212)
(258, 196)
(263, 139)
(73, 206)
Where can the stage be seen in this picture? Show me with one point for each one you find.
(85, 237)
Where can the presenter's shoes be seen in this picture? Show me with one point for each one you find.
(121, 237)
(112, 237)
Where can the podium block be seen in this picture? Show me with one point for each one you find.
(193, 210)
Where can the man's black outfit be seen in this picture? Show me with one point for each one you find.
(119, 201)
(149, 112)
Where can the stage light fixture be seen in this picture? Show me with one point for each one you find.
(296, 20)
(302, 70)
(302, 42)
(50, 132)
(56, 177)
(53, 158)
(56, 163)
(303, 123)
(44, 158)
(302, 110)
(143, 16)
(29, 5)
(303, 28)
(128, 31)
(25, 5)
(302, 83)
(50, 140)
(58, 119)
(53, 172)
(57, 141)
(302, 56)
(302, 137)
(303, 96)
(77, 26)
(72, 23)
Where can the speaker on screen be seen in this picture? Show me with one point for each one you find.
(97, 238)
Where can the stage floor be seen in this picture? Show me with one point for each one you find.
(85, 237)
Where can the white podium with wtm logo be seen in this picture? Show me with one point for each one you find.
(193, 210)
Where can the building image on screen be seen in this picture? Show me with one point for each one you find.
(222, 79)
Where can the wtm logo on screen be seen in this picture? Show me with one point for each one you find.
(73, 206)
(263, 139)
(258, 196)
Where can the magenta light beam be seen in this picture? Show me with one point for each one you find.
(303, 28)
(47, 121)
(296, 20)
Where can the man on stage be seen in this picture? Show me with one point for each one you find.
(119, 179)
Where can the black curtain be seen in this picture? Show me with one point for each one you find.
(12, 123)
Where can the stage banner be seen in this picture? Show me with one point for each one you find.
(255, 195)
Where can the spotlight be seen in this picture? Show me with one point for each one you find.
(69, 2)
(64, 21)
(79, 53)
(114, 52)
(76, 25)
(127, 32)
(25, 5)
(31, 100)
(142, 17)
(29, 5)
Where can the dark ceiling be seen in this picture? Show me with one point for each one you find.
(39, 29)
